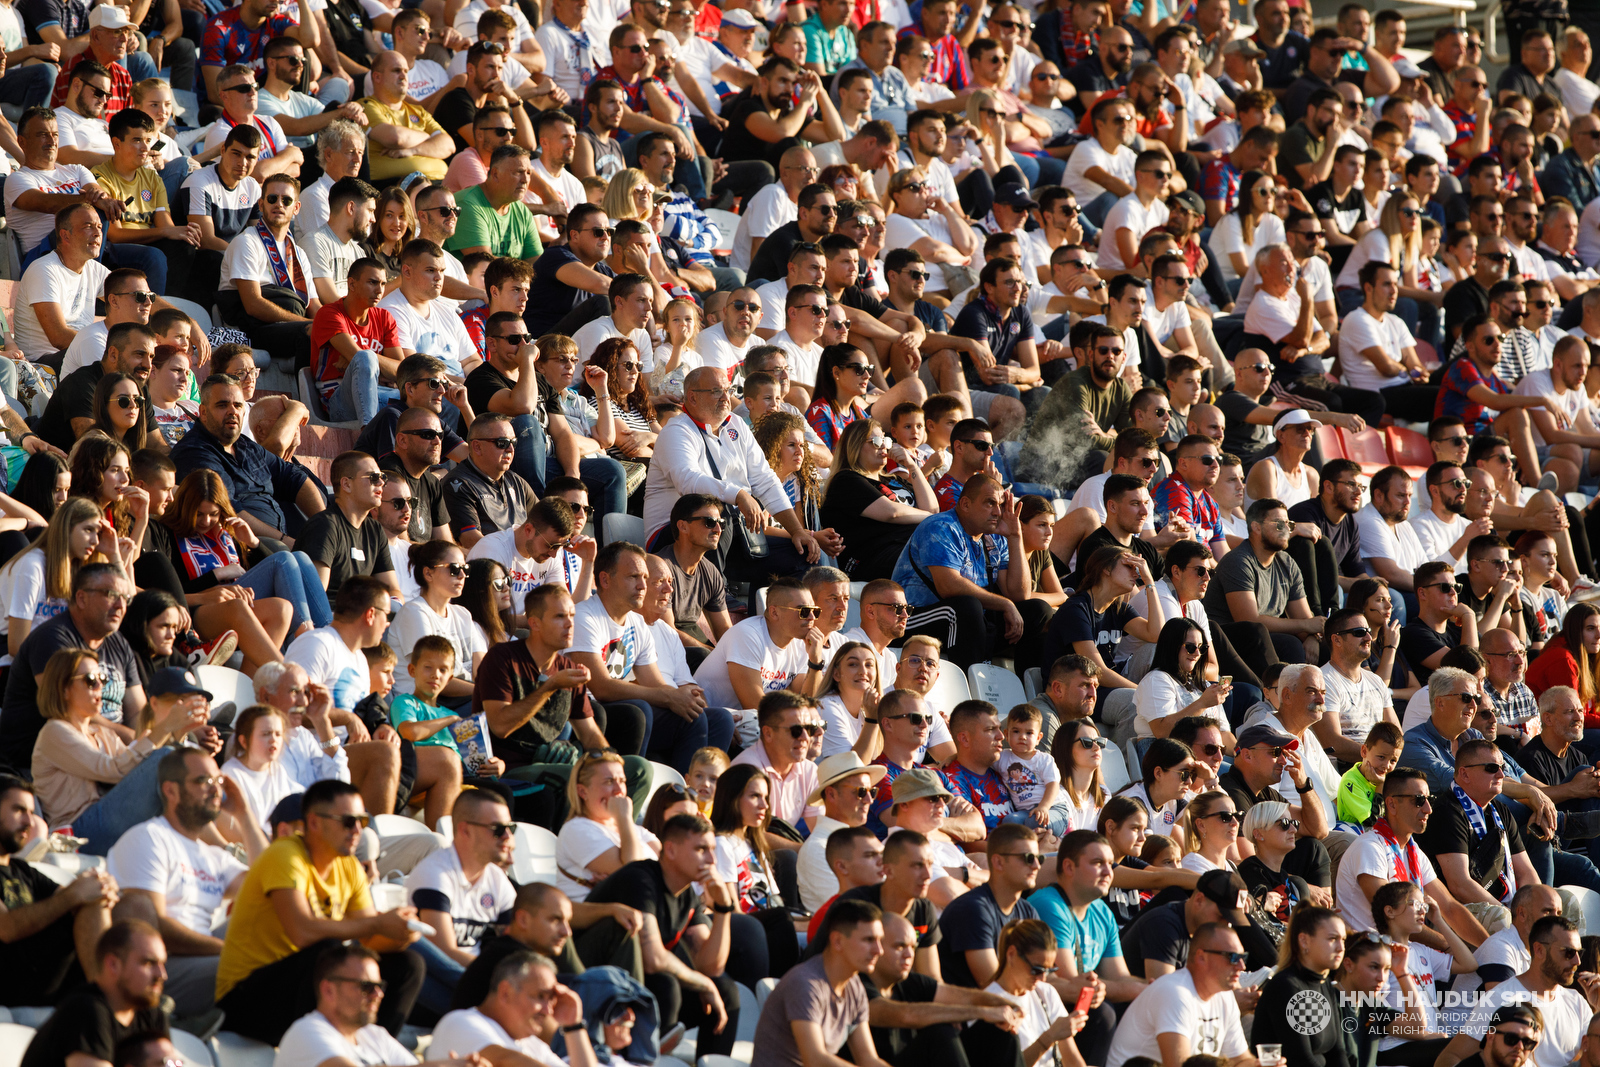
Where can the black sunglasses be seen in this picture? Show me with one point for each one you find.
(916, 720)
(426, 435)
(457, 570)
(498, 829)
(709, 523)
(125, 401)
(981, 446)
(500, 443)
(515, 338)
(810, 729)
(745, 305)
(349, 822)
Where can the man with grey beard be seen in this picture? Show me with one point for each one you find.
(174, 881)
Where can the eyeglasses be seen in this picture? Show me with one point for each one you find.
(500, 444)
(1229, 817)
(1541, 304)
(368, 989)
(426, 434)
(805, 612)
(979, 444)
(709, 522)
(295, 62)
(1447, 587)
(809, 729)
(897, 610)
(745, 305)
(1409, 212)
(916, 720)
(1516, 653)
(520, 338)
(1495, 770)
(206, 780)
(1419, 800)
(115, 598)
(1030, 859)
(1360, 633)
(247, 87)
(1494, 257)
(457, 570)
(274, 199)
(919, 661)
(1235, 958)
(1181, 279)
(349, 822)
(498, 829)
(94, 679)
(438, 384)
(1105, 351)
(400, 503)
(1149, 463)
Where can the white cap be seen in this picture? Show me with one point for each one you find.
(739, 18)
(1292, 417)
(109, 17)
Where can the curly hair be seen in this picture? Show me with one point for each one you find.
(607, 355)
(771, 430)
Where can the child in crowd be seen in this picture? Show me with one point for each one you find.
(1361, 784)
(705, 767)
(594, 190)
(760, 395)
(1031, 776)
(907, 428)
(476, 265)
(374, 707)
(940, 413)
(417, 716)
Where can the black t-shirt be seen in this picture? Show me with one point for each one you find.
(329, 539)
(771, 260)
(1076, 620)
(20, 721)
(913, 989)
(473, 987)
(642, 885)
(427, 499)
(1103, 537)
(924, 915)
(860, 299)
(1345, 212)
(849, 494)
(1449, 833)
(476, 503)
(549, 298)
(1125, 903)
(21, 885)
(1159, 934)
(486, 381)
(1465, 299)
(1280, 65)
(455, 110)
(1418, 641)
(737, 140)
(377, 437)
(1239, 437)
(1537, 759)
(1261, 880)
(73, 399)
(1343, 537)
(1233, 783)
(84, 1022)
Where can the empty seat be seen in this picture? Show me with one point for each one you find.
(191, 1048)
(1032, 682)
(619, 527)
(997, 685)
(1329, 443)
(229, 1049)
(534, 855)
(1368, 448)
(227, 685)
(951, 688)
(1409, 449)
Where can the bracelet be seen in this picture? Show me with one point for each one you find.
(871, 722)
(573, 1027)
(817, 666)
(722, 909)
(330, 744)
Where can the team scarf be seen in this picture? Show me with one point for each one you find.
(202, 555)
(280, 270)
(1503, 886)
(1407, 868)
(273, 148)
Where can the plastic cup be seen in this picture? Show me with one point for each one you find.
(1269, 1055)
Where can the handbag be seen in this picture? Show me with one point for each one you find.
(743, 543)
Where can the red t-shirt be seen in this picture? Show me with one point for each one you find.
(377, 333)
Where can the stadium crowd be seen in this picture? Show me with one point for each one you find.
(1216, 393)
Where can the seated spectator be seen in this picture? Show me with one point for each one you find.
(266, 258)
(82, 115)
(1563, 1008)
(354, 343)
(740, 814)
(335, 247)
(970, 927)
(38, 580)
(147, 237)
(494, 217)
(1175, 686)
(422, 382)
(123, 999)
(168, 391)
(1104, 172)
(411, 139)
(29, 208)
(178, 882)
(1259, 583)
(239, 101)
(1092, 621)
(567, 277)
(524, 1000)
(699, 944)
(934, 227)
(425, 320)
(262, 952)
(1481, 869)
(699, 604)
(599, 836)
(343, 1024)
(483, 494)
(128, 353)
(343, 540)
(845, 786)
(56, 296)
(876, 514)
(258, 768)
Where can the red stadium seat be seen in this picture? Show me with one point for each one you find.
(1409, 449)
(1426, 353)
(1366, 448)
(1329, 444)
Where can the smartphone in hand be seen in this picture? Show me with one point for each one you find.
(1085, 998)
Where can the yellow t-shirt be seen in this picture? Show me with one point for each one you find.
(412, 117)
(255, 936)
(145, 195)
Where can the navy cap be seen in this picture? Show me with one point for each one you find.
(288, 810)
(175, 681)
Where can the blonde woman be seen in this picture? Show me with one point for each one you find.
(849, 695)
(920, 219)
(599, 836)
(1271, 834)
(985, 115)
(1252, 225)
(77, 753)
(1397, 240)
(35, 584)
(874, 513)
(630, 195)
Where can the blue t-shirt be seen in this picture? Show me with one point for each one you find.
(972, 923)
(987, 791)
(942, 542)
(1092, 939)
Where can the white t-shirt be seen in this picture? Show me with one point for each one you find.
(767, 210)
(1274, 316)
(1359, 332)
(671, 658)
(400, 556)
(591, 333)
(1228, 236)
(1026, 778)
(501, 546)
(749, 644)
(1360, 704)
(1314, 270)
(1379, 540)
(1374, 245)
(313, 207)
(840, 729)
(1438, 537)
(804, 359)
(246, 259)
(902, 232)
(86, 348)
(1566, 1017)
(439, 884)
(772, 297)
(332, 258)
(1040, 1008)
(1159, 695)
(621, 647)
(467, 1031)
(1127, 213)
(566, 185)
(1170, 1005)
(1194, 610)
(22, 586)
(1428, 966)
(1371, 854)
(438, 333)
(1090, 154)
(580, 841)
(717, 351)
(1163, 324)
(331, 662)
(34, 226)
(191, 876)
(1573, 402)
(50, 281)
(264, 788)
(416, 620)
(313, 1039)
(466, 23)
(564, 61)
(83, 133)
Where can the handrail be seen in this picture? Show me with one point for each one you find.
(1489, 36)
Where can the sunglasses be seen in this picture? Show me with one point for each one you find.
(349, 822)
(500, 585)
(916, 720)
(501, 444)
(367, 988)
(274, 199)
(448, 212)
(498, 829)
(373, 477)
(1030, 859)
(1039, 972)
(1418, 800)
(809, 729)
(93, 679)
(140, 296)
(745, 305)
(1288, 824)
(457, 570)
(981, 446)
(597, 231)
(1209, 750)
(856, 368)
(432, 383)
(917, 275)
(125, 401)
(1235, 958)
(1192, 648)
(895, 609)
(401, 503)
(516, 338)
(1229, 817)
(815, 309)
(246, 88)
(1496, 770)
(805, 612)
(1511, 1040)
(709, 523)
(426, 435)
(1360, 633)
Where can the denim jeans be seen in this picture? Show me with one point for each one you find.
(28, 86)
(130, 802)
(1060, 819)
(293, 577)
(602, 476)
(173, 176)
(1096, 209)
(675, 740)
(359, 395)
(532, 452)
(141, 257)
(140, 66)
(439, 987)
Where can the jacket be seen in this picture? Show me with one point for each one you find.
(1566, 175)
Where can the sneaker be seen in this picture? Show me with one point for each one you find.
(218, 650)
(1548, 482)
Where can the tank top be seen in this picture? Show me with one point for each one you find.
(1285, 488)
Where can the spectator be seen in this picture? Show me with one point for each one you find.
(484, 495)
(344, 540)
(525, 1000)
(440, 571)
(412, 140)
(256, 260)
(123, 999)
(818, 1007)
(1105, 173)
(168, 391)
(27, 202)
(331, 654)
(494, 218)
(970, 927)
(257, 768)
(873, 510)
(697, 961)
(1441, 623)
(353, 340)
(70, 413)
(335, 247)
(741, 815)
(343, 1024)
(699, 598)
(95, 608)
(567, 276)
(1185, 495)
(1357, 698)
(845, 786)
(1092, 621)
(1480, 866)
(1260, 583)
(787, 721)
(56, 296)
(148, 235)
(423, 320)
(239, 105)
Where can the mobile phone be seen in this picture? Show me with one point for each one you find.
(1085, 998)
(158, 146)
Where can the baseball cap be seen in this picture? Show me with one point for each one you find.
(109, 17)
(1407, 69)
(1243, 47)
(289, 809)
(739, 18)
(1013, 195)
(1228, 891)
(1262, 734)
(174, 681)
(1190, 200)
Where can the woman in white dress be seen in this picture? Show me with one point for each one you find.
(440, 569)
(851, 692)
(599, 836)
(1027, 952)
(1248, 228)
(256, 767)
(1079, 751)
(1174, 688)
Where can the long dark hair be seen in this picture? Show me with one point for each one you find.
(1173, 637)
(478, 597)
(135, 628)
(725, 818)
(1572, 631)
(833, 357)
(36, 485)
(1247, 185)
(101, 410)
(1307, 919)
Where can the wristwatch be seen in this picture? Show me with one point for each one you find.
(574, 1027)
(817, 666)
(1304, 789)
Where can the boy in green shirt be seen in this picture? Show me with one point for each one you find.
(1361, 784)
(419, 720)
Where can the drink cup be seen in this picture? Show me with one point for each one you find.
(1269, 1055)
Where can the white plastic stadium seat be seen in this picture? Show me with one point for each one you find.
(226, 684)
(191, 1048)
(534, 858)
(950, 689)
(229, 1049)
(662, 775)
(313, 402)
(445, 828)
(758, 603)
(852, 615)
(398, 826)
(721, 1061)
(14, 1040)
(1589, 907)
(193, 310)
(1113, 768)
(997, 685)
(764, 990)
(1033, 682)
(747, 1019)
(620, 527)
